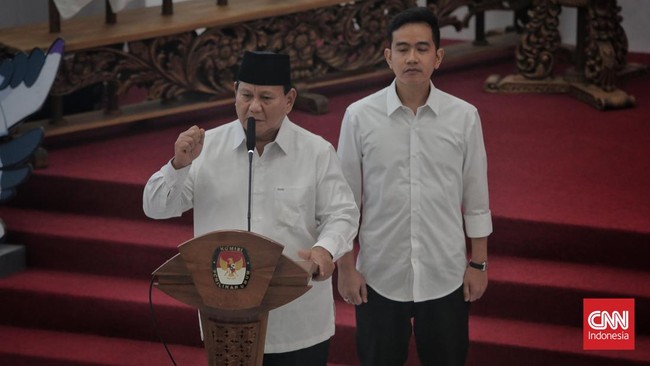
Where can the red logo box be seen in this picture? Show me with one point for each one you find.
(608, 324)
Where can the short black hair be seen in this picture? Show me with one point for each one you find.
(415, 15)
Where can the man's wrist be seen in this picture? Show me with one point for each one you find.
(324, 250)
(481, 266)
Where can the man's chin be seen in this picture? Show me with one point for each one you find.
(413, 80)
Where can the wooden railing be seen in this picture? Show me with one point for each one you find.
(185, 55)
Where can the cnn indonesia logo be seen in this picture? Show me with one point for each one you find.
(608, 324)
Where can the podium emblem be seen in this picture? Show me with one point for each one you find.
(231, 267)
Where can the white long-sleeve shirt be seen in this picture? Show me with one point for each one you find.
(300, 199)
(418, 178)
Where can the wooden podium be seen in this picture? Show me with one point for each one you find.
(234, 278)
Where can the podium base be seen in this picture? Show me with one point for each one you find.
(233, 342)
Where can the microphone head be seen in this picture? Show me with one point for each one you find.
(250, 134)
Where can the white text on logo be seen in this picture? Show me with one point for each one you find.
(602, 320)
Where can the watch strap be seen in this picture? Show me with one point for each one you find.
(480, 266)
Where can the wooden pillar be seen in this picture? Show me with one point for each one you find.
(55, 17)
(112, 102)
(111, 17)
(479, 35)
(56, 105)
(581, 34)
(167, 7)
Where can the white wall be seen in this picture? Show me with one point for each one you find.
(18, 12)
(635, 13)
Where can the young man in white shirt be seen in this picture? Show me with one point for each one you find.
(415, 159)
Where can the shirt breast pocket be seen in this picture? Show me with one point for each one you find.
(292, 205)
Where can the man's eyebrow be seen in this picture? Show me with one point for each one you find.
(418, 43)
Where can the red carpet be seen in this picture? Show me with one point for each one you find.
(568, 189)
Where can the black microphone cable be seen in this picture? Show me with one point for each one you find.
(155, 323)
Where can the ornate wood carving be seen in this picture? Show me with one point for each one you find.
(535, 55)
(234, 343)
(606, 44)
(327, 44)
(445, 9)
(604, 55)
(322, 43)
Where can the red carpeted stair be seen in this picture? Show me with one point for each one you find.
(571, 211)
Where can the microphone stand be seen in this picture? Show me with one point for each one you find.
(250, 184)
(250, 145)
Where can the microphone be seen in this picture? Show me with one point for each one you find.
(250, 146)
(250, 136)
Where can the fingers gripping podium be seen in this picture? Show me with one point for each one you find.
(234, 278)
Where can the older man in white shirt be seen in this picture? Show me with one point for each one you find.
(299, 198)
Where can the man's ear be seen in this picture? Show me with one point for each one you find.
(387, 55)
(291, 99)
(440, 54)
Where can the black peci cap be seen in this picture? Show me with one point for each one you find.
(265, 68)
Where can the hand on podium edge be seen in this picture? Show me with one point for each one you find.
(323, 260)
(308, 266)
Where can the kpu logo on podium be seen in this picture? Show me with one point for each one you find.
(608, 324)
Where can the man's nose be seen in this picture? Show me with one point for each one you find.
(255, 106)
(411, 57)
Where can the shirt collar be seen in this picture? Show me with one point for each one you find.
(393, 102)
(238, 135)
(283, 139)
